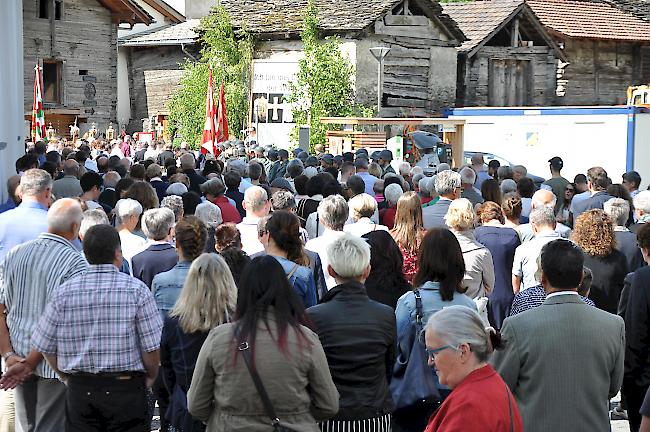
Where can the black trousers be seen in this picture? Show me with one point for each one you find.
(634, 399)
(106, 404)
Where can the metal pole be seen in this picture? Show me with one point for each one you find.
(380, 65)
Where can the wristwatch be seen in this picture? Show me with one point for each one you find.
(8, 354)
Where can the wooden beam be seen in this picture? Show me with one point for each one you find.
(402, 102)
(415, 121)
(514, 36)
(420, 32)
(406, 20)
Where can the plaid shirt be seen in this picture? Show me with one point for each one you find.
(99, 322)
(533, 297)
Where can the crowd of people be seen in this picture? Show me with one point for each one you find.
(266, 289)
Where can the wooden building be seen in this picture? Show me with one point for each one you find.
(75, 43)
(509, 58)
(419, 72)
(154, 58)
(138, 96)
(608, 49)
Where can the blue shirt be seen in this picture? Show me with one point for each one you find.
(302, 281)
(481, 176)
(432, 302)
(22, 224)
(8, 205)
(369, 181)
(167, 286)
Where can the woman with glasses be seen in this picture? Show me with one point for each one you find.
(439, 283)
(458, 348)
(562, 213)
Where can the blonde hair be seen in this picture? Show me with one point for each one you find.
(408, 230)
(460, 216)
(362, 205)
(208, 297)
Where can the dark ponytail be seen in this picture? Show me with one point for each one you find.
(284, 229)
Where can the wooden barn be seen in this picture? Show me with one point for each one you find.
(420, 70)
(608, 49)
(509, 58)
(75, 43)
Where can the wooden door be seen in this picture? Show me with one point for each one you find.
(509, 82)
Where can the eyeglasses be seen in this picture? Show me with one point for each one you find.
(431, 353)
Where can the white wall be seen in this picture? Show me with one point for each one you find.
(12, 131)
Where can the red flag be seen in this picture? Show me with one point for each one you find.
(208, 142)
(222, 117)
(38, 119)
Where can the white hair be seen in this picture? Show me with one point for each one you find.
(362, 205)
(520, 169)
(333, 212)
(156, 223)
(443, 167)
(110, 179)
(349, 256)
(457, 325)
(446, 182)
(642, 201)
(255, 198)
(618, 209)
(310, 172)
(543, 216)
(508, 185)
(175, 204)
(416, 170)
(467, 176)
(63, 213)
(404, 168)
(176, 189)
(34, 181)
(92, 218)
(209, 213)
(392, 192)
(127, 207)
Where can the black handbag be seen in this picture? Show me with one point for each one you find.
(413, 379)
(244, 348)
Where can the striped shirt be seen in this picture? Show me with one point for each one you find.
(100, 321)
(534, 297)
(31, 273)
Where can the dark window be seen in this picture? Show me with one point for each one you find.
(52, 82)
(58, 9)
(83, 72)
(44, 8)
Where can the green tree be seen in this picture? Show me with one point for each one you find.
(230, 54)
(324, 83)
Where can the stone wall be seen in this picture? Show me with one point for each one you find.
(85, 39)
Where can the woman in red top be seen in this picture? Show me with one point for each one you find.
(458, 346)
(408, 232)
(214, 191)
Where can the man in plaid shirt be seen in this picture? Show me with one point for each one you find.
(101, 333)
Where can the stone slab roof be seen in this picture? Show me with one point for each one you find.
(591, 20)
(176, 34)
(335, 16)
(479, 19)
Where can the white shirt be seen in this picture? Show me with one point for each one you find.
(559, 293)
(363, 226)
(524, 263)
(92, 205)
(131, 245)
(249, 239)
(319, 245)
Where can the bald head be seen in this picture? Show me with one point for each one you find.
(187, 162)
(71, 167)
(64, 218)
(543, 198)
(477, 159)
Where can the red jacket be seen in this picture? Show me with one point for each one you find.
(479, 403)
(229, 212)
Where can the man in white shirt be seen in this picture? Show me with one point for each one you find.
(257, 205)
(332, 213)
(542, 198)
(524, 266)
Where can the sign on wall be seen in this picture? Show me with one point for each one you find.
(270, 112)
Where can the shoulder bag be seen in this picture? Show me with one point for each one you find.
(413, 379)
(244, 348)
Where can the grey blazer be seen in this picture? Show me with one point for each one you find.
(434, 216)
(563, 361)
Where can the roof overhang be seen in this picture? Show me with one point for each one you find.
(126, 11)
(165, 9)
(170, 42)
